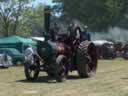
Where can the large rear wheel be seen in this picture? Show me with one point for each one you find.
(86, 59)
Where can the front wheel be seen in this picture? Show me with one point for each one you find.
(61, 69)
(31, 71)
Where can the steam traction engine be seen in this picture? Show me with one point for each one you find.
(58, 58)
(61, 56)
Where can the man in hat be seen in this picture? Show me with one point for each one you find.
(85, 34)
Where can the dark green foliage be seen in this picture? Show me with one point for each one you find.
(98, 14)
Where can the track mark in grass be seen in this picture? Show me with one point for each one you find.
(95, 94)
(30, 92)
(125, 88)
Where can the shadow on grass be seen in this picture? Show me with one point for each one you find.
(47, 79)
(73, 77)
(3, 67)
(76, 77)
(41, 79)
(125, 78)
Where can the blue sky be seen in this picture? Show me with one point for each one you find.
(34, 3)
(47, 2)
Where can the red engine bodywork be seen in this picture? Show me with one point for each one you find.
(60, 47)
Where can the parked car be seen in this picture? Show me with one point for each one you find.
(125, 51)
(17, 57)
(5, 61)
(105, 49)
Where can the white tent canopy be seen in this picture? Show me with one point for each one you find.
(38, 38)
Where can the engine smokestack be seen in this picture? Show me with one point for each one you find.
(47, 15)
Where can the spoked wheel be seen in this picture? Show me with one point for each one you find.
(19, 63)
(61, 69)
(86, 59)
(31, 71)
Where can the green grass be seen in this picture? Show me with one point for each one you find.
(111, 80)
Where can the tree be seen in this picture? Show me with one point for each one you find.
(10, 12)
(19, 17)
(31, 22)
(98, 14)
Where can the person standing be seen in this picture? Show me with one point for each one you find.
(74, 32)
(85, 34)
(70, 29)
(75, 36)
(77, 32)
(29, 54)
(54, 31)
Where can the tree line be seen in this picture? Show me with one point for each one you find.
(97, 14)
(19, 17)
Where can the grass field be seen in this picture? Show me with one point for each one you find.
(111, 80)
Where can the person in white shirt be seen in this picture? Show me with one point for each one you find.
(29, 52)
